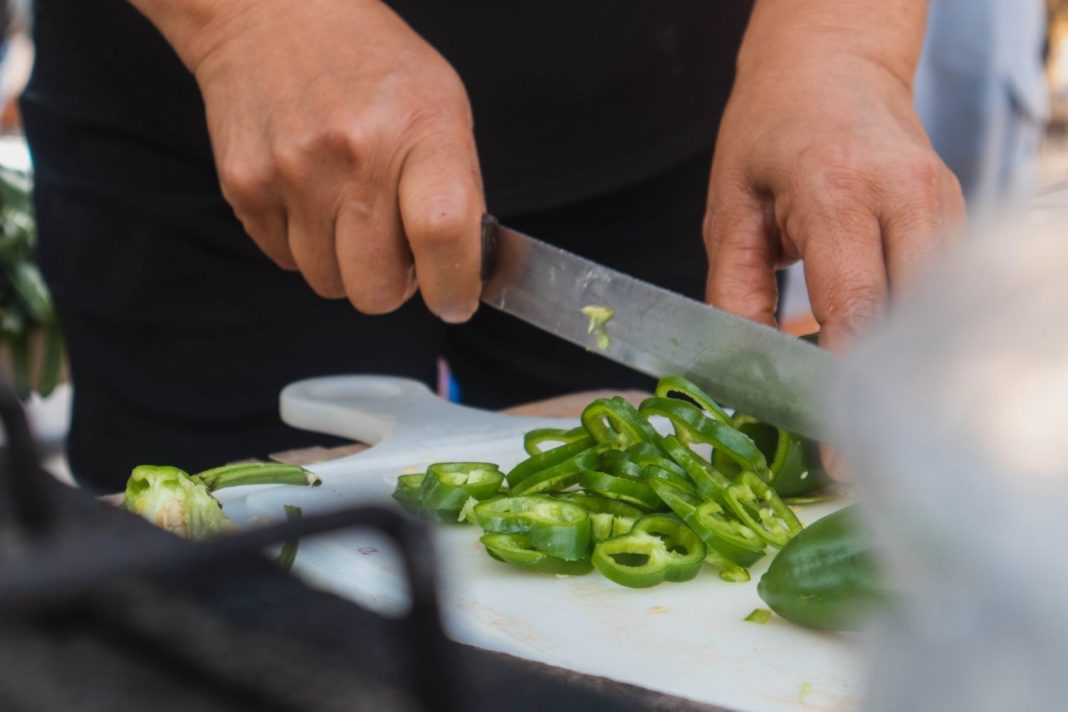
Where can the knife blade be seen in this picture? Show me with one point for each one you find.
(747, 366)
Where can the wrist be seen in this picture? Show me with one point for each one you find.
(196, 28)
(787, 36)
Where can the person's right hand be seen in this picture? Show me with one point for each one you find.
(343, 142)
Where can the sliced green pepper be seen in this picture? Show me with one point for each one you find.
(806, 477)
(766, 437)
(659, 548)
(448, 485)
(639, 494)
(608, 517)
(615, 422)
(679, 501)
(728, 570)
(605, 526)
(533, 439)
(549, 458)
(710, 482)
(680, 540)
(557, 528)
(256, 473)
(517, 549)
(670, 385)
(652, 454)
(408, 492)
(693, 426)
(729, 537)
(559, 476)
(795, 468)
(618, 463)
(659, 473)
(756, 504)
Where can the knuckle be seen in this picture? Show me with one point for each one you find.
(445, 111)
(926, 196)
(925, 173)
(840, 173)
(337, 143)
(244, 183)
(854, 304)
(290, 162)
(350, 141)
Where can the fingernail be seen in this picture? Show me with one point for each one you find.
(456, 315)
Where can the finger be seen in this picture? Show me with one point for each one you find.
(834, 464)
(311, 240)
(741, 257)
(919, 223)
(269, 232)
(441, 205)
(256, 203)
(841, 246)
(375, 262)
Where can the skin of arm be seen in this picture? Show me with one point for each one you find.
(821, 157)
(343, 142)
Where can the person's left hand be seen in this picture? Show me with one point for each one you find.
(821, 157)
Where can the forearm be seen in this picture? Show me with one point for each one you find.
(886, 33)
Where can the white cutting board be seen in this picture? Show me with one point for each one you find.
(687, 639)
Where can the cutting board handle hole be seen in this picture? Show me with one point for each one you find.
(356, 390)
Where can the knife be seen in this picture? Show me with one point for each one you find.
(747, 366)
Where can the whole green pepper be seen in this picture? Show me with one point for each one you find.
(826, 577)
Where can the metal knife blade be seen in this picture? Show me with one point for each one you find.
(747, 366)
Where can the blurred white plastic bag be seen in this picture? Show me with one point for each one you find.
(955, 419)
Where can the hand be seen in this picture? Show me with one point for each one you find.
(343, 142)
(821, 157)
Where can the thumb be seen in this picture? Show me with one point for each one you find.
(441, 206)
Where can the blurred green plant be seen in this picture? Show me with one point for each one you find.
(26, 311)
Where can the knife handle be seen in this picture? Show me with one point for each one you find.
(489, 245)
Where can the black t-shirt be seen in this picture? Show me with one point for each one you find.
(571, 98)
